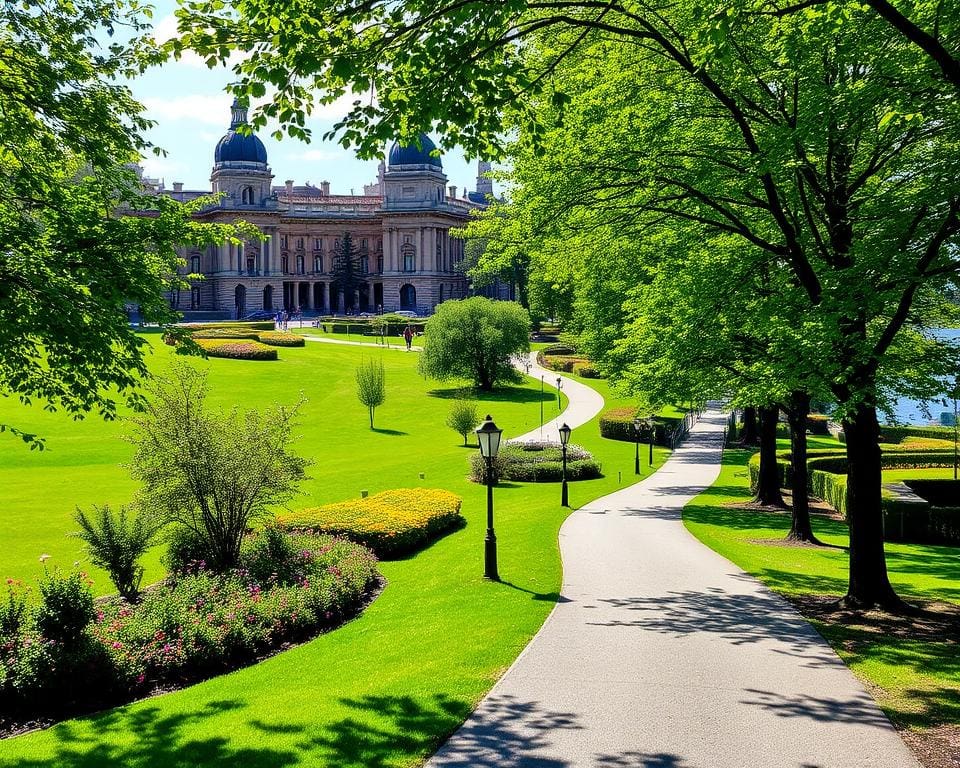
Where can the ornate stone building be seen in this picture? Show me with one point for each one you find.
(400, 228)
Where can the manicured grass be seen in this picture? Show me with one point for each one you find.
(930, 473)
(385, 689)
(916, 681)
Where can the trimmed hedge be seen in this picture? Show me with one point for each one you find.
(587, 371)
(617, 424)
(817, 424)
(281, 339)
(253, 325)
(237, 350)
(392, 523)
(896, 434)
(939, 492)
(536, 462)
(226, 333)
(559, 349)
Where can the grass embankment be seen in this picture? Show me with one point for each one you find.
(913, 671)
(383, 690)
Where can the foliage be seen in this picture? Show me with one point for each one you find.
(536, 462)
(617, 424)
(587, 371)
(476, 339)
(80, 241)
(346, 269)
(897, 434)
(273, 556)
(236, 350)
(13, 610)
(463, 417)
(225, 333)
(281, 339)
(115, 541)
(391, 523)
(66, 607)
(212, 471)
(371, 385)
(185, 629)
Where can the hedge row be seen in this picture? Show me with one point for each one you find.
(897, 434)
(939, 492)
(227, 333)
(68, 655)
(281, 339)
(391, 523)
(253, 325)
(237, 350)
(617, 424)
(536, 462)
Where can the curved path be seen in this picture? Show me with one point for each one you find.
(662, 654)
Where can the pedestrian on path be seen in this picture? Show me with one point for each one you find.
(408, 336)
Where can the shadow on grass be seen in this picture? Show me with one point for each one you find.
(499, 395)
(553, 597)
(157, 740)
(457, 525)
(394, 432)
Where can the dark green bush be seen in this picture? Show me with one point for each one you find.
(115, 541)
(536, 462)
(939, 492)
(273, 556)
(817, 424)
(897, 434)
(187, 551)
(617, 424)
(587, 371)
(559, 349)
(66, 607)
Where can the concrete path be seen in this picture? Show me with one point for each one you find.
(662, 654)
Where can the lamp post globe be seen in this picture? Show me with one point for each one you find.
(637, 424)
(488, 437)
(564, 439)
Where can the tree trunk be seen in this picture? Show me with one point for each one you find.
(800, 528)
(371, 417)
(768, 483)
(869, 585)
(750, 435)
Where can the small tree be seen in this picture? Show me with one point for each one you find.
(463, 418)
(371, 389)
(116, 542)
(212, 471)
(475, 338)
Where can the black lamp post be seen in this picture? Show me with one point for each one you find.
(636, 433)
(559, 386)
(541, 406)
(488, 436)
(653, 434)
(564, 439)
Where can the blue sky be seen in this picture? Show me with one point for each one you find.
(192, 112)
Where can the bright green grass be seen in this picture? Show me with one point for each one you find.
(930, 473)
(383, 690)
(918, 681)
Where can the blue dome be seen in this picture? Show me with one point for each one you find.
(477, 197)
(411, 155)
(238, 147)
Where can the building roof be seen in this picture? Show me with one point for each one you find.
(414, 155)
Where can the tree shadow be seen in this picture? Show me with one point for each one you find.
(860, 709)
(498, 395)
(394, 432)
(642, 760)
(158, 741)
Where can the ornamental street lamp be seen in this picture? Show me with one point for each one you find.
(559, 387)
(488, 436)
(541, 406)
(564, 439)
(637, 424)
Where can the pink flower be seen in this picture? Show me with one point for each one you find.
(117, 644)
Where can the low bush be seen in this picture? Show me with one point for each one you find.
(536, 462)
(924, 444)
(115, 541)
(587, 371)
(187, 628)
(897, 434)
(559, 349)
(226, 333)
(617, 424)
(939, 492)
(253, 325)
(392, 523)
(281, 339)
(66, 607)
(817, 424)
(237, 350)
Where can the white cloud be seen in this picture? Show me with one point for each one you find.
(163, 168)
(195, 107)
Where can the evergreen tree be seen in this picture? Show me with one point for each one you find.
(346, 269)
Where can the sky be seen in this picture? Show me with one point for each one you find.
(192, 112)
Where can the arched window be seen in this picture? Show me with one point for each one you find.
(408, 297)
(268, 297)
(195, 265)
(318, 264)
(285, 264)
(409, 253)
(300, 266)
(246, 196)
(240, 300)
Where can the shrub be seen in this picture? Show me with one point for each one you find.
(559, 349)
(237, 350)
(587, 371)
(896, 434)
(187, 550)
(463, 418)
(536, 462)
(273, 556)
(66, 607)
(253, 325)
(939, 492)
(371, 385)
(617, 424)
(281, 339)
(13, 610)
(226, 333)
(817, 424)
(391, 523)
(116, 542)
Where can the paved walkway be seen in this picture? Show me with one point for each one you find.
(662, 654)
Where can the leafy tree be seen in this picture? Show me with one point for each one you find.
(115, 541)
(346, 268)
(74, 253)
(371, 389)
(212, 472)
(463, 418)
(476, 339)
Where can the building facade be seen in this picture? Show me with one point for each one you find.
(404, 255)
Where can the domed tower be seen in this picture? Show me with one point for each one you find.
(240, 169)
(414, 178)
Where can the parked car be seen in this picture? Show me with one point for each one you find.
(261, 314)
(406, 313)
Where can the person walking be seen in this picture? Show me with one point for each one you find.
(408, 336)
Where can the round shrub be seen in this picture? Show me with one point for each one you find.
(66, 607)
(226, 333)
(586, 371)
(281, 339)
(536, 462)
(237, 350)
(617, 424)
(186, 550)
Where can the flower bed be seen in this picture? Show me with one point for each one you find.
(391, 523)
(226, 333)
(536, 462)
(237, 350)
(281, 339)
(192, 626)
(253, 325)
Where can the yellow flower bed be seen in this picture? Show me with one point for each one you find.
(281, 339)
(391, 523)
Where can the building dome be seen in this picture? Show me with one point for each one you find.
(239, 147)
(412, 155)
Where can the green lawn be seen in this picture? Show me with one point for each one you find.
(929, 473)
(383, 690)
(916, 680)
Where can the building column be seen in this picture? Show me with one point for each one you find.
(309, 295)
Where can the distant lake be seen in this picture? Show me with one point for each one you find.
(909, 411)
